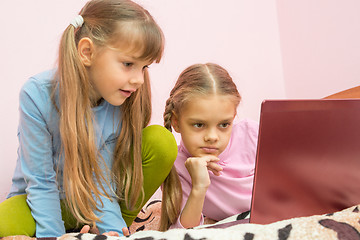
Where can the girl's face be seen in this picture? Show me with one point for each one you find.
(115, 75)
(205, 124)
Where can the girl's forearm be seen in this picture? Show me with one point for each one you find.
(191, 214)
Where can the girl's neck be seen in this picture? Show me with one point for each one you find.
(95, 98)
(98, 102)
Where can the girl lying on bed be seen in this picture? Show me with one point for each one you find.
(216, 157)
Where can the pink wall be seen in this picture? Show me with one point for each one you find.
(320, 45)
(273, 49)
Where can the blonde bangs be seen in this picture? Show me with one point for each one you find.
(141, 39)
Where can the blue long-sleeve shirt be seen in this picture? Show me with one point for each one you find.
(39, 160)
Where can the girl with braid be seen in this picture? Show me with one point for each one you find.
(216, 157)
(87, 157)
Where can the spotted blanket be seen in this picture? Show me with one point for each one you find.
(342, 225)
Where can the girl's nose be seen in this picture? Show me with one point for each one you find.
(137, 79)
(211, 136)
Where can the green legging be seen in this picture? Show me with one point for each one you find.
(159, 150)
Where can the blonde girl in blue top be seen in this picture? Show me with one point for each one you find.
(86, 153)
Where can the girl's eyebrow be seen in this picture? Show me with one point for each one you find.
(202, 120)
(133, 58)
(196, 120)
(128, 58)
(227, 120)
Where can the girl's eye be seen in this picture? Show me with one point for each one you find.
(224, 125)
(198, 125)
(146, 66)
(127, 64)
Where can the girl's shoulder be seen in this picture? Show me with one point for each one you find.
(246, 126)
(245, 134)
(243, 141)
(183, 153)
(35, 94)
(40, 83)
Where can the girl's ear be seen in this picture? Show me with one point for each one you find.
(85, 51)
(175, 123)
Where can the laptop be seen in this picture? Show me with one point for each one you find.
(308, 159)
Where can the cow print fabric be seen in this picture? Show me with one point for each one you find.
(343, 225)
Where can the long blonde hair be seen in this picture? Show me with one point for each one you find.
(196, 80)
(106, 23)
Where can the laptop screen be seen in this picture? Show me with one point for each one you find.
(308, 159)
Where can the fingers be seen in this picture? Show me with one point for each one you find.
(210, 158)
(111, 233)
(204, 160)
(85, 229)
(95, 230)
(194, 164)
(215, 168)
(88, 229)
(126, 231)
(211, 163)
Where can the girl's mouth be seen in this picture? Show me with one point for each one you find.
(209, 150)
(126, 93)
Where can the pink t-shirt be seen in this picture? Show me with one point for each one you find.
(230, 193)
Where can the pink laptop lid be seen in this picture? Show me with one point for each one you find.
(308, 159)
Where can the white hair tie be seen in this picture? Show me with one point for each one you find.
(77, 21)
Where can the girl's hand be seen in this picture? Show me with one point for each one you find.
(111, 233)
(88, 229)
(126, 232)
(198, 169)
